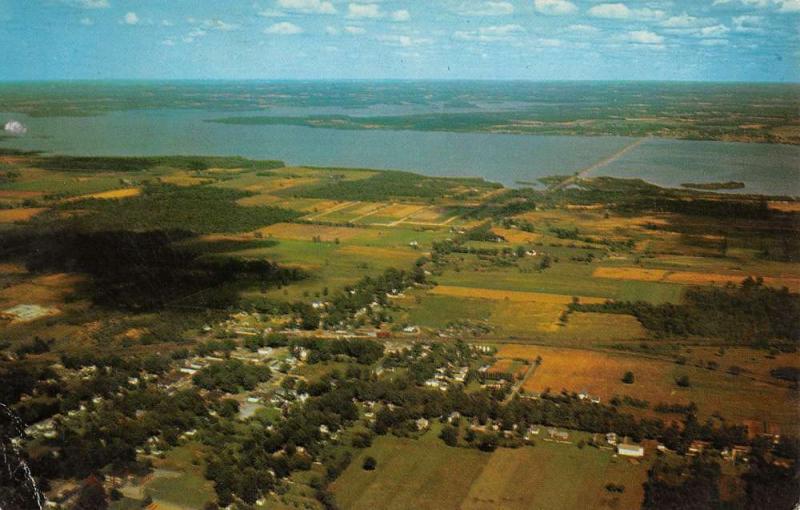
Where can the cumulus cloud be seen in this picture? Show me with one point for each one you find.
(15, 127)
(218, 24)
(404, 41)
(486, 9)
(401, 15)
(782, 5)
(283, 28)
(555, 7)
(645, 37)
(308, 6)
(130, 18)
(622, 11)
(87, 22)
(682, 21)
(550, 43)
(748, 23)
(490, 34)
(364, 11)
(355, 30)
(193, 35)
(713, 31)
(586, 29)
(88, 4)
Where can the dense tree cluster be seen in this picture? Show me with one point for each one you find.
(750, 312)
(231, 376)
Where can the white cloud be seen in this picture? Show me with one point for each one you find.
(486, 9)
(748, 23)
(555, 7)
(218, 24)
(622, 11)
(550, 43)
(330, 30)
(364, 11)
(782, 5)
(401, 15)
(87, 22)
(131, 18)
(355, 30)
(168, 42)
(682, 21)
(586, 29)
(714, 42)
(271, 13)
(166, 23)
(88, 4)
(713, 31)
(618, 11)
(404, 41)
(283, 28)
(490, 34)
(193, 35)
(308, 6)
(645, 37)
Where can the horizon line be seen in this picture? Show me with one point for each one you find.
(373, 80)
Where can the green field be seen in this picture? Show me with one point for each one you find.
(566, 278)
(426, 474)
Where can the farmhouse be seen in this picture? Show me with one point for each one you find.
(630, 450)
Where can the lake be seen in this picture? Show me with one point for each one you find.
(507, 159)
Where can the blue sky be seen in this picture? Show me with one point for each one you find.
(713, 40)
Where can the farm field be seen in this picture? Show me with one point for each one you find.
(736, 398)
(566, 279)
(21, 214)
(426, 474)
(690, 278)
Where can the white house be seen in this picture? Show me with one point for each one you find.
(630, 450)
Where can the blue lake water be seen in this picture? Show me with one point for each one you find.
(773, 169)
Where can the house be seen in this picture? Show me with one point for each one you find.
(411, 329)
(611, 438)
(558, 435)
(630, 450)
(697, 447)
(422, 424)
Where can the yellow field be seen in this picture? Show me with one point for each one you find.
(19, 195)
(400, 211)
(428, 215)
(108, 195)
(737, 398)
(689, 277)
(300, 232)
(630, 273)
(22, 214)
(784, 206)
(517, 236)
(184, 179)
(523, 318)
(42, 290)
(510, 295)
(8, 268)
